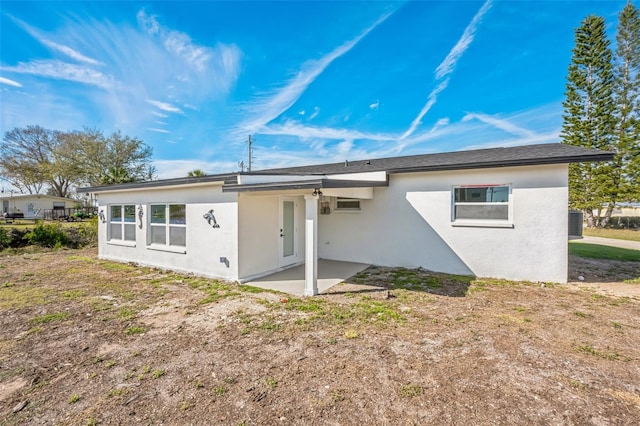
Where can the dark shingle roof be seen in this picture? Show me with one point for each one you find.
(553, 153)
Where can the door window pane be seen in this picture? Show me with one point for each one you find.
(287, 227)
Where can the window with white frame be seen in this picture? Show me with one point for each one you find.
(481, 203)
(347, 204)
(168, 224)
(122, 222)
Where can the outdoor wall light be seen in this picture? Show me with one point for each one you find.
(211, 219)
(316, 192)
(225, 261)
(140, 215)
(101, 216)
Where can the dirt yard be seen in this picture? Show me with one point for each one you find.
(85, 341)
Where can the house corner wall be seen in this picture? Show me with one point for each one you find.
(210, 251)
(409, 224)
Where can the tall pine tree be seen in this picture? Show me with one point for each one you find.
(627, 100)
(588, 118)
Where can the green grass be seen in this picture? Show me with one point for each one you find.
(619, 234)
(43, 319)
(596, 251)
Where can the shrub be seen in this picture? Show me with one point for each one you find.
(48, 235)
(5, 241)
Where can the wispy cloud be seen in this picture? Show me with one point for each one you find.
(155, 129)
(291, 128)
(9, 82)
(73, 54)
(164, 106)
(315, 113)
(159, 114)
(267, 109)
(500, 123)
(447, 66)
(63, 71)
(66, 50)
(374, 105)
(181, 45)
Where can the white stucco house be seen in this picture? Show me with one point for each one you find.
(499, 212)
(32, 206)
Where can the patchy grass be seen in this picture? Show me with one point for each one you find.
(597, 251)
(43, 319)
(399, 341)
(618, 234)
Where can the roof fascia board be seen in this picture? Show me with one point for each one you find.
(156, 184)
(379, 175)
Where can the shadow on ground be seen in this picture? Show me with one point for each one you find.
(382, 279)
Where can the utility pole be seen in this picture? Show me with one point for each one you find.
(250, 153)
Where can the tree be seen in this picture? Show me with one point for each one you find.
(34, 158)
(627, 100)
(196, 173)
(24, 157)
(588, 120)
(107, 160)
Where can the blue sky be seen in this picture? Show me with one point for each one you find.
(312, 82)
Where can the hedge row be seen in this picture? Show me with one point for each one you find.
(625, 222)
(52, 235)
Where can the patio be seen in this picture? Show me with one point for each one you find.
(291, 281)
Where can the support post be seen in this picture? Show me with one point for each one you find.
(311, 245)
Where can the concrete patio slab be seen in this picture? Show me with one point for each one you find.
(330, 273)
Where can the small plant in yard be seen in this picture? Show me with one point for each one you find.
(74, 398)
(185, 405)
(158, 373)
(110, 363)
(220, 390)
(615, 324)
(350, 334)
(135, 329)
(271, 382)
(580, 314)
(410, 390)
(338, 395)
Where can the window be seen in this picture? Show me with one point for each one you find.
(347, 204)
(481, 203)
(122, 222)
(168, 224)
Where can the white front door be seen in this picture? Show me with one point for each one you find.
(288, 246)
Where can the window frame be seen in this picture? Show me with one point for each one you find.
(123, 241)
(168, 226)
(481, 222)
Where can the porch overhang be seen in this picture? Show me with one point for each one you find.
(303, 184)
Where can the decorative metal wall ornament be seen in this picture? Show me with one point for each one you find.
(140, 215)
(211, 219)
(101, 216)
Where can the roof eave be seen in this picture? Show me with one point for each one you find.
(299, 185)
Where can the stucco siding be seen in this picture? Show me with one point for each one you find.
(409, 224)
(259, 233)
(205, 245)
